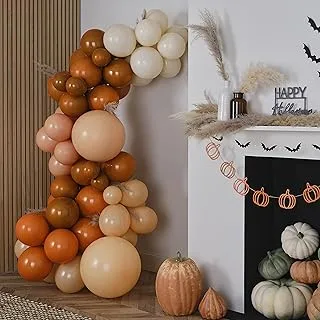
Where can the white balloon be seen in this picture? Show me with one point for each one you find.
(139, 82)
(148, 32)
(170, 68)
(146, 62)
(179, 29)
(160, 17)
(171, 46)
(120, 40)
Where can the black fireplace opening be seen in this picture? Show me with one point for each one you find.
(263, 226)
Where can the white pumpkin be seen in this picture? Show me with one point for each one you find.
(281, 299)
(300, 240)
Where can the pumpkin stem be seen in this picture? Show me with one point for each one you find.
(179, 257)
(300, 235)
(269, 254)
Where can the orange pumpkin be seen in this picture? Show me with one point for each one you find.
(287, 200)
(260, 198)
(213, 151)
(307, 272)
(241, 186)
(311, 193)
(212, 306)
(178, 286)
(228, 169)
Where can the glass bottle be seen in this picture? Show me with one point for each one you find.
(224, 102)
(238, 105)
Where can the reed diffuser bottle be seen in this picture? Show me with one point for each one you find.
(238, 105)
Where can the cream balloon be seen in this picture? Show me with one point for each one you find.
(143, 220)
(58, 110)
(140, 82)
(114, 220)
(98, 136)
(44, 142)
(65, 153)
(56, 168)
(50, 277)
(134, 193)
(148, 32)
(131, 236)
(179, 29)
(120, 40)
(68, 278)
(171, 46)
(112, 195)
(160, 17)
(146, 62)
(110, 267)
(171, 68)
(19, 248)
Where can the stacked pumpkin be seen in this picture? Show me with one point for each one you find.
(283, 297)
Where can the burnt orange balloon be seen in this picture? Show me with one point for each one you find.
(101, 96)
(62, 213)
(61, 246)
(73, 106)
(76, 55)
(34, 265)
(32, 229)
(100, 182)
(90, 201)
(76, 86)
(87, 230)
(60, 80)
(118, 73)
(87, 70)
(83, 171)
(91, 40)
(121, 168)
(50, 199)
(64, 186)
(123, 92)
(101, 57)
(52, 91)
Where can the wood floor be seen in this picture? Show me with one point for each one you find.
(140, 303)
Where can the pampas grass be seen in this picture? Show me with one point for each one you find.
(209, 32)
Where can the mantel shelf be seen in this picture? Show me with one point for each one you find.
(283, 129)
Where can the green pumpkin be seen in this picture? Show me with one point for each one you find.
(275, 265)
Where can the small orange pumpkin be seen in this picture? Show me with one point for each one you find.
(311, 193)
(228, 169)
(178, 286)
(287, 200)
(313, 308)
(213, 151)
(307, 272)
(212, 306)
(241, 186)
(260, 198)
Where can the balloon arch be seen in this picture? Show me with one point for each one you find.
(86, 236)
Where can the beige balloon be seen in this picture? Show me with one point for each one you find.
(68, 278)
(131, 236)
(112, 195)
(143, 220)
(114, 220)
(50, 277)
(19, 248)
(110, 267)
(134, 193)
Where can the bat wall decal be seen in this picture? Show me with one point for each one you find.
(265, 148)
(316, 147)
(218, 139)
(313, 24)
(242, 145)
(311, 56)
(297, 148)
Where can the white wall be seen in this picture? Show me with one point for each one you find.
(156, 142)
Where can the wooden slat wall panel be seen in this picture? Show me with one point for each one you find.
(31, 32)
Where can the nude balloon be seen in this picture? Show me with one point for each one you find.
(143, 220)
(65, 153)
(134, 193)
(44, 142)
(19, 248)
(58, 127)
(57, 168)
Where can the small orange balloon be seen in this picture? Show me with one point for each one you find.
(90, 201)
(87, 230)
(50, 199)
(76, 55)
(123, 92)
(91, 40)
(76, 86)
(118, 73)
(83, 171)
(121, 168)
(61, 246)
(33, 264)
(73, 106)
(101, 57)
(52, 91)
(100, 182)
(64, 186)
(101, 96)
(60, 80)
(32, 229)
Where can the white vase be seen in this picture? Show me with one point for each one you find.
(224, 102)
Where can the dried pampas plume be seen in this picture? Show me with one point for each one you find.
(259, 75)
(209, 32)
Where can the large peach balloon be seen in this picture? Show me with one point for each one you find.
(64, 186)
(19, 248)
(118, 73)
(32, 229)
(114, 220)
(58, 127)
(135, 193)
(131, 236)
(112, 195)
(90, 201)
(98, 136)
(91, 40)
(33, 264)
(68, 278)
(73, 106)
(83, 171)
(121, 168)
(65, 153)
(143, 219)
(50, 277)
(57, 168)
(101, 96)
(61, 246)
(44, 142)
(52, 91)
(110, 267)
